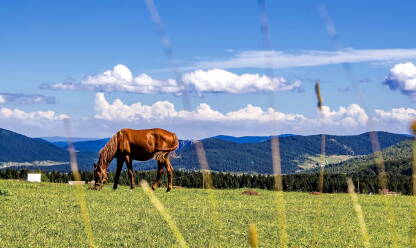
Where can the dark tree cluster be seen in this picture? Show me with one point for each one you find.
(333, 183)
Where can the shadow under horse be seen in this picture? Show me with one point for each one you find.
(128, 145)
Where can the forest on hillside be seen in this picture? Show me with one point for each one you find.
(333, 183)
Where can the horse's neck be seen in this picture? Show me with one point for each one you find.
(102, 163)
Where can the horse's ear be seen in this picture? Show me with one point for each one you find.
(95, 165)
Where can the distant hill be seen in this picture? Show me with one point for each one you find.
(248, 139)
(96, 145)
(294, 151)
(54, 139)
(397, 160)
(83, 146)
(15, 147)
(19, 151)
(297, 152)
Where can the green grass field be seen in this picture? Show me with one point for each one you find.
(48, 215)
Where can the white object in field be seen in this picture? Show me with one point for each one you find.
(31, 177)
(76, 182)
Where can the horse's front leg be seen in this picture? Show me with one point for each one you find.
(118, 171)
(159, 173)
(130, 171)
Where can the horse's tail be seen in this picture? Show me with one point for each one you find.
(164, 155)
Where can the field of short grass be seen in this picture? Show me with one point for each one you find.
(48, 215)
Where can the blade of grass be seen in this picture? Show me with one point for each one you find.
(359, 212)
(203, 162)
(277, 169)
(163, 212)
(80, 193)
(253, 237)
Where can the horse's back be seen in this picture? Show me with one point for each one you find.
(155, 139)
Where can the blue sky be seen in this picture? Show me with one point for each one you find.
(46, 43)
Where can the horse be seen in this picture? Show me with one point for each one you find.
(128, 145)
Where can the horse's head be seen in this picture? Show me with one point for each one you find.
(100, 176)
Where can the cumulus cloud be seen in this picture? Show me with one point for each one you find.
(349, 117)
(402, 77)
(394, 120)
(119, 111)
(305, 58)
(249, 120)
(397, 114)
(17, 114)
(120, 78)
(45, 123)
(165, 110)
(205, 121)
(218, 80)
(26, 98)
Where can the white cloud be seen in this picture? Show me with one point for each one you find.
(17, 114)
(218, 80)
(397, 114)
(402, 77)
(37, 123)
(2, 99)
(119, 111)
(204, 121)
(394, 120)
(120, 78)
(306, 58)
(249, 120)
(348, 117)
(164, 110)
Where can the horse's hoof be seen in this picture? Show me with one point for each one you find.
(168, 189)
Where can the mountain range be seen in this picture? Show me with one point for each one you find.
(54, 139)
(249, 154)
(297, 153)
(248, 139)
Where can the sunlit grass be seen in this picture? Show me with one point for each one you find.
(48, 215)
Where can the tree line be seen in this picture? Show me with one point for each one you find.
(333, 183)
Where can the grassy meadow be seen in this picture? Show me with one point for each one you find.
(48, 215)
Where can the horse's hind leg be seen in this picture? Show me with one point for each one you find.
(158, 175)
(118, 171)
(169, 169)
(130, 171)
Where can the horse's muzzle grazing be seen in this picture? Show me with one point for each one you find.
(97, 186)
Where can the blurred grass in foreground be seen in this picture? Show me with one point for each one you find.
(47, 215)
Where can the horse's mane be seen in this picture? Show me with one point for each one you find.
(108, 152)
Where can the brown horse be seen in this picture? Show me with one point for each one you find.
(128, 145)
